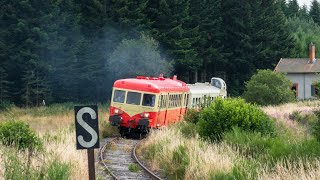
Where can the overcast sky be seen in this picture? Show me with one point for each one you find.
(306, 2)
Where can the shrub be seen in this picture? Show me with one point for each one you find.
(222, 115)
(268, 88)
(192, 116)
(19, 134)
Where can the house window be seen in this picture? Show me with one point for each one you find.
(294, 88)
(314, 90)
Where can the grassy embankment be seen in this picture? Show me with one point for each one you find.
(59, 157)
(291, 154)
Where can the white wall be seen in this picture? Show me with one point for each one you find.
(304, 83)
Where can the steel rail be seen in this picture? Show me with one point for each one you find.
(101, 151)
(149, 172)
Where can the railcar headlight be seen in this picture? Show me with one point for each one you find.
(145, 115)
(118, 111)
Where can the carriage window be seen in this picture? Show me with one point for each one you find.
(119, 96)
(148, 100)
(193, 102)
(187, 99)
(164, 104)
(133, 98)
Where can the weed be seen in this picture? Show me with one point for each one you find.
(58, 170)
(134, 167)
(187, 129)
(106, 130)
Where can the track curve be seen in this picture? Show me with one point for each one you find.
(118, 154)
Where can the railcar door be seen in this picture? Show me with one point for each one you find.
(181, 102)
(162, 110)
(160, 114)
(165, 122)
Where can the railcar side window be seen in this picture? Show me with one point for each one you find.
(180, 99)
(187, 100)
(148, 100)
(193, 102)
(119, 96)
(133, 98)
(164, 102)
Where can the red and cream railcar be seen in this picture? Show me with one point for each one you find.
(141, 103)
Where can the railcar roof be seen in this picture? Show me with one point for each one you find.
(154, 85)
(203, 88)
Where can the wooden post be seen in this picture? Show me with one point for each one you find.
(91, 168)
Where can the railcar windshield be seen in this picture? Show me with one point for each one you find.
(148, 100)
(216, 83)
(119, 96)
(133, 98)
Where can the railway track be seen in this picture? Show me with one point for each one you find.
(117, 154)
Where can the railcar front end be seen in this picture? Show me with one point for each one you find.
(133, 111)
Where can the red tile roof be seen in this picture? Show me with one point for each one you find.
(297, 65)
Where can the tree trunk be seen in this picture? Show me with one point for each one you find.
(195, 76)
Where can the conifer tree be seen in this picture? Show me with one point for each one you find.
(4, 86)
(293, 8)
(284, 7)
(23, 38)
(303, 13)
(205, 18)
(315, 11)
(169, 23)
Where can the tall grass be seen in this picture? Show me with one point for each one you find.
(55, 125)
(293, 153)
(18, 165)
(282, 115)
(185, 158)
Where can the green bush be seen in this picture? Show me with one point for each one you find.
(192, 116)
(268, 88)
(18, 133)
(222, 115)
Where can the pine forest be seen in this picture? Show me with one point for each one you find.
(73, 50)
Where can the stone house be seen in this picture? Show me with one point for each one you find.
(303, 73)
